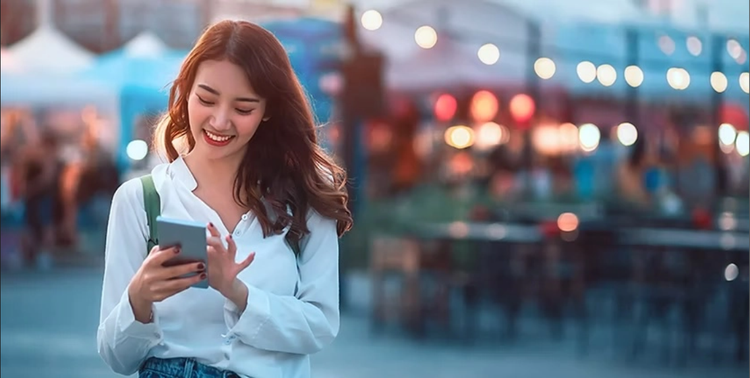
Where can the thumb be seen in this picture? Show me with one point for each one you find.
(247, 261)
(160, 256)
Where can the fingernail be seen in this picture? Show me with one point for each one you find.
(176, 251)
(210, 224)
(203, 276)
(201, 266)
(229, 236)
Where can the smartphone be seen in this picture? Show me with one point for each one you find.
(190, 236)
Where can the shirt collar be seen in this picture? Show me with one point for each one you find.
(180, 172)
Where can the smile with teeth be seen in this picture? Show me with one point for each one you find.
(218, 138)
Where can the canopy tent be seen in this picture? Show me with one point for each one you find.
(145, 44)
(140, 73)
(37, 71)
(49, 51)
(144, 61)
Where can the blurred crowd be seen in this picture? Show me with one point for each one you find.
(48, 176)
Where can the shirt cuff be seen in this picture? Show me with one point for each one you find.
(257, 312)
(129, 326)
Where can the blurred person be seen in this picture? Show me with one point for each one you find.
(562, 177)
(73, 159)
(253, 172)
(89, 171)
(503, 182)
(17, 132)
(38, 171)
(632, 173)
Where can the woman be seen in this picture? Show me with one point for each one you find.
(252, 171)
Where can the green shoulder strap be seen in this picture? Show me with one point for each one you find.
(152, 205)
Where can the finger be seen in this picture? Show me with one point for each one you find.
(179, 284)
(154, 250)
(231, 246)
(168, 291)
(216, 243)
(210, 252)
(180, 270)
(247, 261)
(160, 256)
(213, 230)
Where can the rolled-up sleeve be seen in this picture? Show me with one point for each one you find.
(303, 323)
(124, 342)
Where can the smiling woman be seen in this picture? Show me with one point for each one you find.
(274, 204)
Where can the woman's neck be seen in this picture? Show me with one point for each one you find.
(213, 173)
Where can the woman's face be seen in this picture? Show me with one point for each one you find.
(223, 110)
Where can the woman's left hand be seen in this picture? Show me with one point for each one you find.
(222, 268)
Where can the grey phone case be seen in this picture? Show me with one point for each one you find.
(190, 236)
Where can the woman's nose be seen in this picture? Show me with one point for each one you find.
(220, 121)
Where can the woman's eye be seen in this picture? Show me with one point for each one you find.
(244, 112)
(204, 102)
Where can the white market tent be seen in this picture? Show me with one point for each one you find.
(48, 62)
(42, 81)
(145, 44)
(49, 51)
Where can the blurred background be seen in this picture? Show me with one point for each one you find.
(540, 187)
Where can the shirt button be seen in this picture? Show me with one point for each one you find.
(244, 216)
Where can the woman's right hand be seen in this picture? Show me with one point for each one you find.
(154, 282)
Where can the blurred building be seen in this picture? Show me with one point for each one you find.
(102, 25)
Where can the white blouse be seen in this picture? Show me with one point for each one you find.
(292, 305)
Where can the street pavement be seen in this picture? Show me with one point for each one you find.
(49, 322)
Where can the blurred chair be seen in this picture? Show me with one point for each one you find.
(400, 257)
(427, 277)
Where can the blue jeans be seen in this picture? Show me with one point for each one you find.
(180, 368)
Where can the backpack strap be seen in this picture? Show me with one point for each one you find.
(152, 205)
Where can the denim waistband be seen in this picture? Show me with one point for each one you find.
(183, 368)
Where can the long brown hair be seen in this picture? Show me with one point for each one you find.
(283, 165)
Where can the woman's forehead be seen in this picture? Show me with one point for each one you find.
(223, 78)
